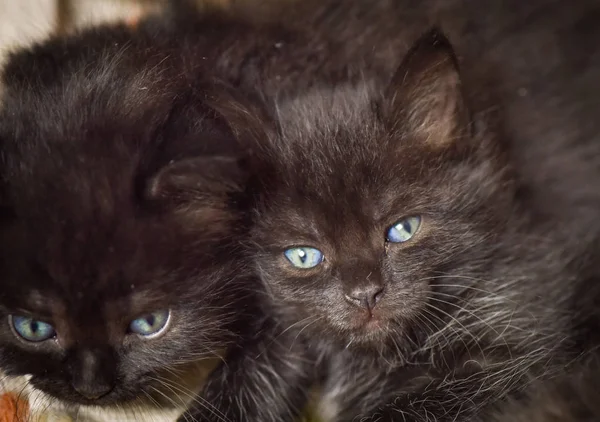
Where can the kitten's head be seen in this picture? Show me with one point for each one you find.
(119, 264)
(368, 206)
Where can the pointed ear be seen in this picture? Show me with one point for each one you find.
(196, 177)
(424, 99)
(205, 145)
(246, 115)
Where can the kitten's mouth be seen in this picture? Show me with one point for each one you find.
(74, 401)
(367, 332)
(370, 323)
(101, 401)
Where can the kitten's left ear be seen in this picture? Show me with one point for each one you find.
(424, 99)
(208, 144)
(246, 116)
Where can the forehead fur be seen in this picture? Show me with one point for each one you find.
(334, 140)
(327, 134)
(328, 112)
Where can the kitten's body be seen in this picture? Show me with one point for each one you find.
(528, 71)
(501, 287)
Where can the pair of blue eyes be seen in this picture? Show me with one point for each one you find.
(37, 331)
(305, 257)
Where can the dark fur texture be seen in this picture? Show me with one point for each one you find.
(570, 397)
(471, 184)
(499, 285)
(118, 185)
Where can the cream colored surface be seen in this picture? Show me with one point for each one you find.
(23, 22)
(88, 12)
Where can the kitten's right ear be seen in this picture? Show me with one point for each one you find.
(424, 99)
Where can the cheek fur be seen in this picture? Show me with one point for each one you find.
(310, 297)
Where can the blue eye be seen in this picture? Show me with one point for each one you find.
(151, 324)
(304, 257)
(31, 330)
(403, 230)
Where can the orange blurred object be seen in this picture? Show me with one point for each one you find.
(13, 408)
(133, 19)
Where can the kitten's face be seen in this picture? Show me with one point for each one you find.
(99, 312)
(118, 263)
(365, 221)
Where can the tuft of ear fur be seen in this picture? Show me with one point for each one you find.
(205, 145)
(424, 98)
(196, 177)
(247, 116)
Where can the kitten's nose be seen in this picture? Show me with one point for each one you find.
(365, 296)
(92, 373)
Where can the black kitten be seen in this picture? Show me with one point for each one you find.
(122, 283)
(400, 235)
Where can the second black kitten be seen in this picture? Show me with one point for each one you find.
(400, 232)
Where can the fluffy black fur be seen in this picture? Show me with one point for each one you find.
(499, 286)
(118, 187)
